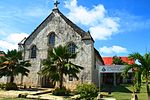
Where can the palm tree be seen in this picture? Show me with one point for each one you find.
(58, 64)
(11, 65)
(140, 69)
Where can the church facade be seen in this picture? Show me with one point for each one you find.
(57, 30)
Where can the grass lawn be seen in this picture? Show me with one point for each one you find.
(120, 92)
(123, 92)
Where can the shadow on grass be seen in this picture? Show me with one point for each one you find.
(31, 89)
(119, 88)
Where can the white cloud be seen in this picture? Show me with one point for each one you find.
(100, 25)
(5, 45)
(105, 29)
(11, 41)
(112, 50)
(16, 37)
(84, 16)
(2, 32)
(130, 22)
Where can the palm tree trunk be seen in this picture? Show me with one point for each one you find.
(147, 87)
(21, 81)
(61, 80)
(11, 79)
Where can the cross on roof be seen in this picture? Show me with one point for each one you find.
(56, 3)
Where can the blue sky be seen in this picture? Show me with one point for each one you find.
(119, 27)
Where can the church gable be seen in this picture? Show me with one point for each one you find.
(55, 21)
(56, 18)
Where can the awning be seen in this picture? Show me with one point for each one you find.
(112, 68)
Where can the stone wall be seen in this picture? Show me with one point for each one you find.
(95, 73)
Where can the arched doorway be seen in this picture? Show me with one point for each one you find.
(46, 82)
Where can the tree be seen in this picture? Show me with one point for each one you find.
(140, 69)
(118, 61)
(58, 64)
(12, 64)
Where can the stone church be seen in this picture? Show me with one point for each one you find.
(57, 30)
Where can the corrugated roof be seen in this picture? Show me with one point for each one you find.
(109, 60)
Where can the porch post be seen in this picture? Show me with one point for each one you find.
(99, 77)
(114, 74)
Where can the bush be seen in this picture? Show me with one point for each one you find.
(61, 92)
(2, 86)
(11, 86)
(87, 91)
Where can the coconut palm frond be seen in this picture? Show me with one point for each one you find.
(57, 64)
(142, 68)
(126, 69)
(12, 65)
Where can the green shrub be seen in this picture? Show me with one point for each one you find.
(11, 86)
(61, 92)
(22, 95)
(87, 91)
(2, 85)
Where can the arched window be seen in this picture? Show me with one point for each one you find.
(70, 78)
(72, 47)
(33, 51)
(52, 39)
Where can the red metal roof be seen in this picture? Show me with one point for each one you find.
(2, 53)
(108, 60)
